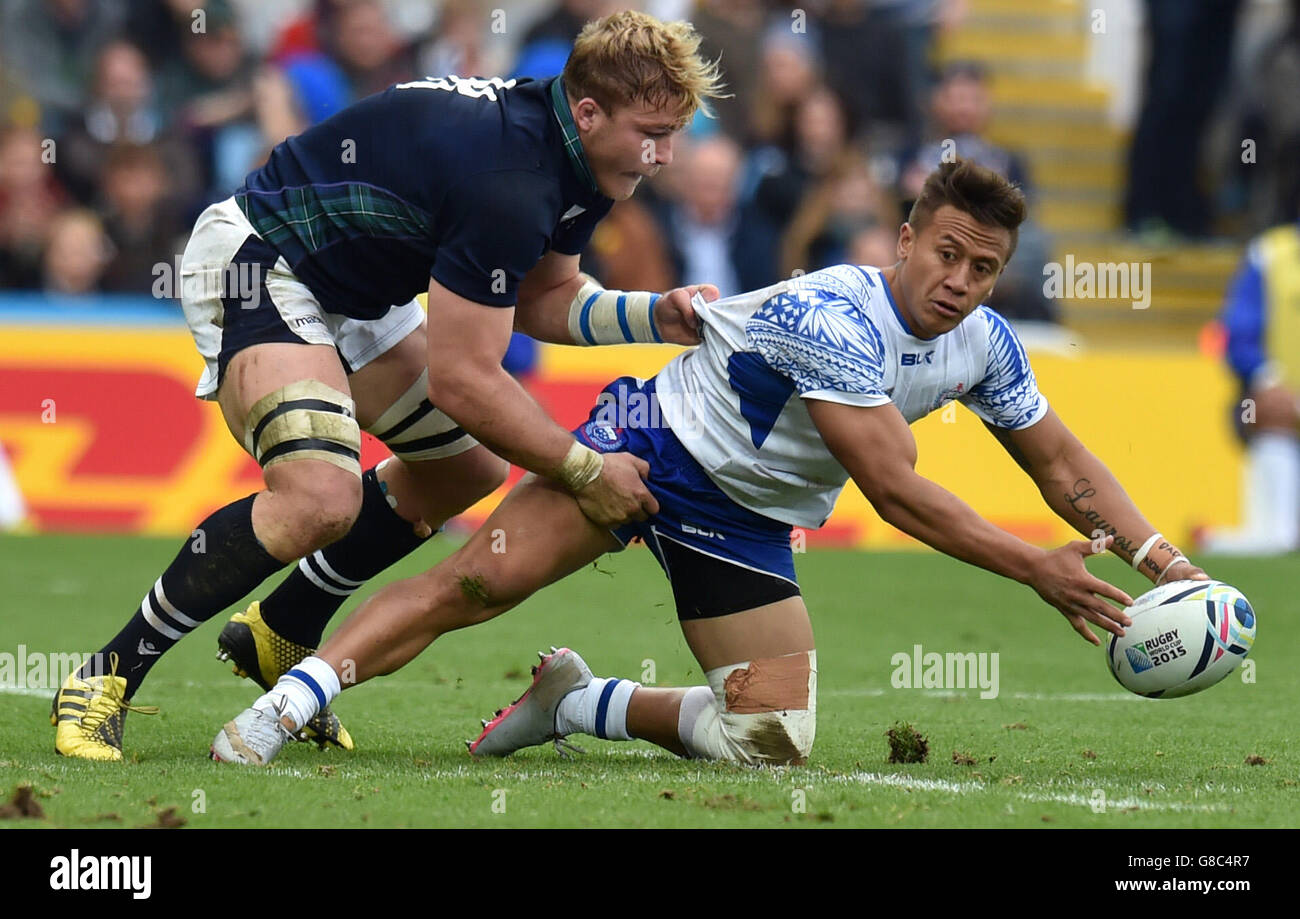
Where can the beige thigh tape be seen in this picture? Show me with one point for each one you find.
(415, 430)
(304, 420)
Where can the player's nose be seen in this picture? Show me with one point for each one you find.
(664, 151)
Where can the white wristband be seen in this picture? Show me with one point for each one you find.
(612, 317)
(1177, 559)
(581, 467)
(1146, 547)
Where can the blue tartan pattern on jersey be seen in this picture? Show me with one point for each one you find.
(309, 218)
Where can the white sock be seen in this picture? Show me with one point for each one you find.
(1275, 472)
(699, 701)
(1271, 499)
(302, 692)
(599, 710)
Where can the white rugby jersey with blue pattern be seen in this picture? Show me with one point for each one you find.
(836, 335)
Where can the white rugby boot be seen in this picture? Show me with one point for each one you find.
(254, 738)
(530, 719)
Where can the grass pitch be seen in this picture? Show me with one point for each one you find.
(1062, 744)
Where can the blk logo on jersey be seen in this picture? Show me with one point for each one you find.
(912, 358)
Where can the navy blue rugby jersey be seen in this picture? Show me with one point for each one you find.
(466, 181)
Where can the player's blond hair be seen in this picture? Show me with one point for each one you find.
(630, 57)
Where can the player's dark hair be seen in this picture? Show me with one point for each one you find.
(975, 190)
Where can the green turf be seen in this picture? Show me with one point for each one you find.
(1060, 733)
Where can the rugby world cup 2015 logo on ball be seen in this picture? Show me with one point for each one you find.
(1186, 636)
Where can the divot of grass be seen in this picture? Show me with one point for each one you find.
(906, 744)
(22, 804)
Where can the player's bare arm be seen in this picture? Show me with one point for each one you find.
(1086, 495)
(877, 449)
(548, 292)
(468, 382)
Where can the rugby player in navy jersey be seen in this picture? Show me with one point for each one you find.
(483, 192)
(796, 387)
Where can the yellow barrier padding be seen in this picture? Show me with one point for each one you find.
(1159, 420)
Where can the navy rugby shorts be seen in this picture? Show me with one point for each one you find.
(699, 534)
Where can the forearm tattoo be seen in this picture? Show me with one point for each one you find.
(1079, 501)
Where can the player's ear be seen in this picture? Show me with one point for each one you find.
(906, 239)
(587, 113)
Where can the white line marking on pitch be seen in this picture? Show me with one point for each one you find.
(888, 780)
(961, 788)
(767, 777)
(1021, 696)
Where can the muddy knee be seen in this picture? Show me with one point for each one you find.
(480, 584)
(314, 508)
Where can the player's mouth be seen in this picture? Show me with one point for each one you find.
(946, 309)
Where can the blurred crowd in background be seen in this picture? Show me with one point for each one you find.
(120, 121)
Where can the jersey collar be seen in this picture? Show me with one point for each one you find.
(898, 314)
(569, 130)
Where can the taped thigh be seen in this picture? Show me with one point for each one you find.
(762, 712)
(415, 430)
(305, 420)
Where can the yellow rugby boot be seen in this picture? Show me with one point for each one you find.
(89, 714)
(263, 656)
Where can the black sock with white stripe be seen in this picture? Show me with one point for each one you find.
(301, 607)
(221, 563)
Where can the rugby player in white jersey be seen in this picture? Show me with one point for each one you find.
(795, 388)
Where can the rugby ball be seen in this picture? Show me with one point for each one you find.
(1185, 637)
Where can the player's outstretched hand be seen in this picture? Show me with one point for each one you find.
(675, 317)
(1062, 579)
(618, 495)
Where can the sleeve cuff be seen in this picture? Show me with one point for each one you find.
(861, 400)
